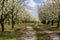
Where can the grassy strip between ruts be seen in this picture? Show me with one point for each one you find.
(41, 35)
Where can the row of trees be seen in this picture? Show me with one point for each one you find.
(12, 12)
(8, 11)
(50, 11)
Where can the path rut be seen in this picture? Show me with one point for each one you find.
(29, 34)
(53, 35)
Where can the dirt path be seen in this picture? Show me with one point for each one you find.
(29, 34)
(52, 35)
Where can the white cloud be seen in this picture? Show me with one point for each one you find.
(44, 0)
(30, 3)
(29, 10)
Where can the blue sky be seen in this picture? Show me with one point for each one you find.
(32, 6)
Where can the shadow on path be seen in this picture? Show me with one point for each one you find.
(29, 34)
(51, 34)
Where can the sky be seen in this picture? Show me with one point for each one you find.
(32, 6)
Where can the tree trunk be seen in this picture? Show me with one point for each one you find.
(52, 22)
(44, 21)
(58, 24)
(2, 23)
(58, 21)
(12, 23)
(48, 22)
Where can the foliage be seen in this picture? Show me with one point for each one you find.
(49, 11)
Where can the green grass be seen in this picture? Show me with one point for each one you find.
(44, 36)
(11, 34)
(50, 27)
(53, 28)
(41, 35)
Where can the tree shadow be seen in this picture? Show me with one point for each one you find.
(10, 35)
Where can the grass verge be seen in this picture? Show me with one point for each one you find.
(41, 35)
